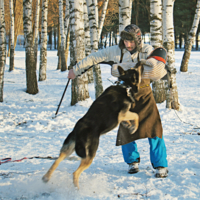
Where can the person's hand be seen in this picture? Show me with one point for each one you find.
(71, 74)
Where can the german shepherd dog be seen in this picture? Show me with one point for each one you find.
(106, 113)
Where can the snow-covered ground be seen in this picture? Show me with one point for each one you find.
(28, 128)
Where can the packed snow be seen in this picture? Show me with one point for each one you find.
(29, 128)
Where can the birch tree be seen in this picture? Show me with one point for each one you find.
(36, 29)
(77, 50)
(124, 14)
(67, 32)
(156, 22)
(2, 48)
(102, 18)
(87, 40)
(12, 34)
(190, 39)
(43, 45)
(168, 43)
(93, 22)
(62, 44)
(31, 77)
(158, 87)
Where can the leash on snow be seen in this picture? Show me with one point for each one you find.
(187, 123)
(7, 160)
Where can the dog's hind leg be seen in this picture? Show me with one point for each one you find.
(85, 163)
(66, 150)
(91, 148)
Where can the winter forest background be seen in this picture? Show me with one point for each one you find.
(39, 41)
(87, 25)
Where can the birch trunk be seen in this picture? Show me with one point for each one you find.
(87, 40)
(190, 39)
(58, 45)
(77, 50)
(12, 34)
(130, 7)
(93, 22)
(67, 32)
(2, 48)
(158, 87)
(43, 44)
(102, 18)
(124, 14)
(66, 20)
(62, 45)
(31, 77)
(36, 30)
(168, 42)
(156, 23)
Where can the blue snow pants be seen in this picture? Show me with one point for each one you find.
(158, 155)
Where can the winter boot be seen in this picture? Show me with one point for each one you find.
(161, 172)
(133, 168)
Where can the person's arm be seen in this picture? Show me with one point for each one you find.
(92, 59)
(153, 69)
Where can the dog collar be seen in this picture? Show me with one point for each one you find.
(128, 89)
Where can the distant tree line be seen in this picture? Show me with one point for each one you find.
(183, 17)
(85, 26)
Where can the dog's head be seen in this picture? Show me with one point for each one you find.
(132, 77)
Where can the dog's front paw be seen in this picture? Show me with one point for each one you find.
(126, 124)
(131, 125)
(45, 179)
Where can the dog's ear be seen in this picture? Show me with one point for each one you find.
(140, 69)
(121, 71)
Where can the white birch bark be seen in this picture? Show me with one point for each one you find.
(87, 40)
(168, 42)
(66, 31)
(2, 48)
(158, 87)
(43, 45)
(66, 20)
(31, 77)
(92, 13)
(77, 50)
(96, 12)
(87, 30)
(124, 14)
(93, 24)
(102, 18)
(156, 22)
(12, 35)
(63, 37)
(36, 29)
(130, 7)
(190, 39)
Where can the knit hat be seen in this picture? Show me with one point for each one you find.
(131, 32)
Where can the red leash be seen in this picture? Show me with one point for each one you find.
(7, 160)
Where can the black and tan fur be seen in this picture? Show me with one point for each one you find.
(106, 113)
